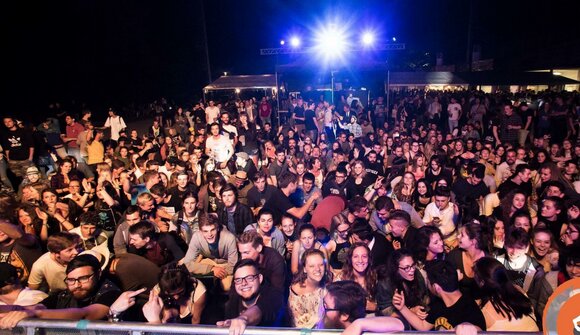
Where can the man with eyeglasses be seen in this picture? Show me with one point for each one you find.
(339, 185)
(86, 296)
(253, 303)
(344, 308)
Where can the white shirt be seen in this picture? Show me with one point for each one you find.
(212, 114)
(446, 217)
(453, 110)
(116, 123)
(28, 297)
(221, 148)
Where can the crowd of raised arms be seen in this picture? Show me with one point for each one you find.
(444, 210)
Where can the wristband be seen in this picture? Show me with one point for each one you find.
(113, 316)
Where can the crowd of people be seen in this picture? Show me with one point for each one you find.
(445, 210)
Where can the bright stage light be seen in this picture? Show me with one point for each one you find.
(331, 42)
(295, 42)
(394, 39)
(282, 42)
(368, 38)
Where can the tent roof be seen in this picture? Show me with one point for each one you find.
(515, 78)
(478, 78)
(425, 78)
(242, 82)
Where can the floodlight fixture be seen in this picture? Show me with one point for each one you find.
(331, 42)
(368, 38)
(295, 41)
(238, 91)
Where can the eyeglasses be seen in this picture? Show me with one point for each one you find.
(408, 268)
(81, 279)
(327, 309)
(247, 279)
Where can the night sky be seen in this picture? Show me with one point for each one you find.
(114, 52)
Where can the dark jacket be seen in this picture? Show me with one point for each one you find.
(242, 217)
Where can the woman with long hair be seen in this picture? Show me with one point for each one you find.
(542, 244)
(358, 176)
(33, 220)
(357, 268)
(472, 246)
(404, 189)
(504, 306)
(306, 241)
(540, 158)
(401, 275)
(308, 290)
(496, 231)
(60, 211)
(512, 202)
(183, 297)
(59, 183)
(422, 196)
(314, 166)
(544, 249)
(418, 166)
(571, 268)
(429, 246)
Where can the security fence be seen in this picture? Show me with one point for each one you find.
(84, 327)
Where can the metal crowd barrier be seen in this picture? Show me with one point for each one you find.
(84, 327)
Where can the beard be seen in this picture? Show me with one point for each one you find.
(80, 293)
(252, 297)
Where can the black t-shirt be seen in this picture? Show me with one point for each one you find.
(273, 268)
(18, 142)
(362, 187)
(279, 203)
(106, 295)
(309, 122)
(447, 318)
(373, 170)
(464, 191)
(21, 254)
(213, 202)
(270, 302)
(299, 112)
(257, 198)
